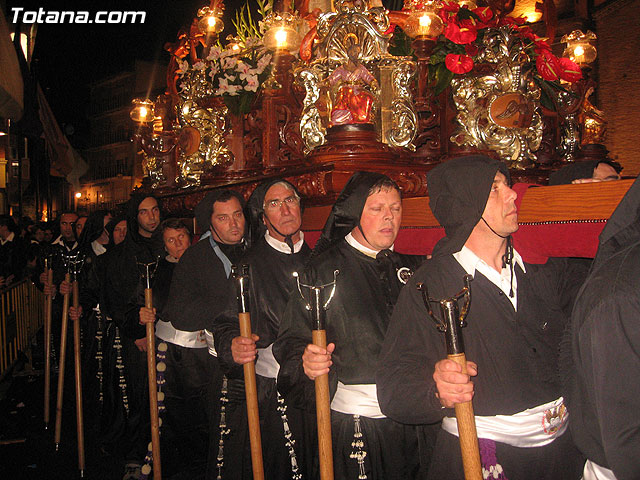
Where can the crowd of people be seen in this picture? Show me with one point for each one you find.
(393, 389)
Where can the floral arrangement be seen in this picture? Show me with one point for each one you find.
(460, 44)
(235, 71)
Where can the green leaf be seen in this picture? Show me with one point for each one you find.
(443, 77)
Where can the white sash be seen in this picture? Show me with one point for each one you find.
(533, 427)
(593, 471)
(208, 336)
(357, 400)
(267, 365)
(167, 332)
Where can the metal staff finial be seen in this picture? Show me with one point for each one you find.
(73, 264)
(315, 304)
(146, 271)
(240, 273)
(452, 319)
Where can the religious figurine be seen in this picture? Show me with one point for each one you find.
(593, 121)
(353, 100)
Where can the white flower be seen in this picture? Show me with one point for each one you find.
(184, 65)
(199, 65)
(263, 61)
(225, 88)
(243, 68)
(252, 83)
(228, 63)
(214, 53)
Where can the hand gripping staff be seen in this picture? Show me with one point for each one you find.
(317, 306)
(450, 324)
(147, 270)
(241, 277)
(48, 304)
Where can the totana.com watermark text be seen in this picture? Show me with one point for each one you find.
(64, 16)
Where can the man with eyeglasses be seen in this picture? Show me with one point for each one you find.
(278, 250)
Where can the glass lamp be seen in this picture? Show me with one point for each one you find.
(210, 21)
(579, 47)
(281, 32)
(142, 112)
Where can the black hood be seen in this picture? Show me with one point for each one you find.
(203, 210)
(111, 227)
(458, 193)
(131, 214)
(622, 228)
(569, 173)
(255, 207)
(93, 228)
(346, 212)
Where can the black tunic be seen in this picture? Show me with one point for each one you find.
(516, 354)
(270, 285)
(198, 290)
(357, 320)
(601, 374)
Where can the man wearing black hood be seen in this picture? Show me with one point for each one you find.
(601, 374)
(515, 323)
(121, 282)
(198, 294)
(357, 240)
(278, 249)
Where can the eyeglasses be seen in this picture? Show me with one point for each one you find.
(276, 203)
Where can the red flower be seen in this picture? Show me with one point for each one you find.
(540, 44)
(471, 49)
(449, 11)
(548, 65)
(458, 63)
(514, 22)
(569, 70)
(460, 35)
(484, 13)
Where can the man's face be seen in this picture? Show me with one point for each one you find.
(500, 211)
(67, 221)
(176, 241)
(227, 221)
(80, 225)
(380, 219)
(148, 216)
(39, 235)
(281, 212)
(48, 235)
(605, 173)
(119, 232)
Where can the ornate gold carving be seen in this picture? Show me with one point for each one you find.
(498, 110)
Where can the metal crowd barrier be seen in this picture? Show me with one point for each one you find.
(21, 316)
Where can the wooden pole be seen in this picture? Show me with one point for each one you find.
(61, 363)
(467, 431)
(48, 304)
(153, 390)
(78, 380)
(323, 414)
(251, 393)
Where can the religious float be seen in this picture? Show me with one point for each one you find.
(313, 91)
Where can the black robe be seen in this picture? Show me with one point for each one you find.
(357, 320)
(270, 285)
(516, 354)
(601, 371)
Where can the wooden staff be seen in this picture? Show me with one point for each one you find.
(48, 304)
(78, 379)
(250, 389)
(451, 324)
(153, 385)
(61, 363)
(323, 403)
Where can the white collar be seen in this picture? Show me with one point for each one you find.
(369, 252)
(98, 248)
(472, 263)
(171, 259)
(283, 247)
(9, 238)
(59, 241)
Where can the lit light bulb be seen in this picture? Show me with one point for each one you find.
(578, 51)
(425, 21)
(78, 194)
(281, 38)
(143, 112)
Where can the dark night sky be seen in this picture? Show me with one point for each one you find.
(68, 58)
